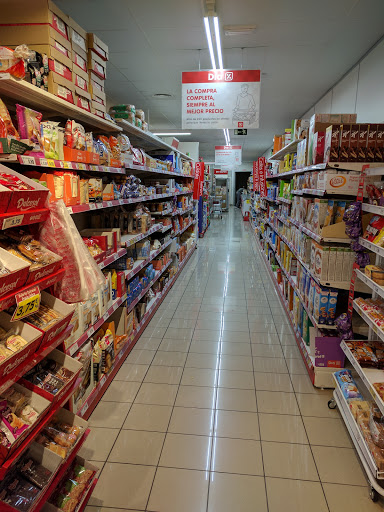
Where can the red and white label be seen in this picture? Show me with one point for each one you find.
(262, 180)
(256, 176)
(216, 99)
(228, 155)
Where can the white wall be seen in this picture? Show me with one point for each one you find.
(360, 91)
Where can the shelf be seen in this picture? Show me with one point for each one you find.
(370, 283)
(128, 240)
(117, 255)
(284, 221)
(35, 430)
(269, 199)
(80, 208)
(377, 169)
(14, 375)
(317, 237)
(369, 321)
(147, 139)
(371, 246)
(61, 164)
(8, 300)
(369, 376)
(166, 228)
(342, 285)
(95, 396)
(184, 229)
(355, 432)
(289, 148)
(30, 95)
(11, 220)
(283, 200)
(72, 349)
(378, 210)
(144, 168)
(138, 265)
(312, 191)
(147, 288)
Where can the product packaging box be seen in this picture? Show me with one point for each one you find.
(339, 264)
(332, 143)
(79, 59)
(17, 275)
(318, 148)
(320, 304)
(353, 143)
(362, 143)
(345, 137)
(82, 99)
(319, 214)
(379, 150)
(320, 261)
(332, 264)
(97, 65)
(96, 45)
(77, 36)
(61, 87)
(80, 78)
(31, 335)
(39, 13)
(328, 352)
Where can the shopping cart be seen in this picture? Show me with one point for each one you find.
(216, 207)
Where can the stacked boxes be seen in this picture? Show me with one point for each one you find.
(97, 57)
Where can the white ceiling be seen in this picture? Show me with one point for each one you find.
(302, 48)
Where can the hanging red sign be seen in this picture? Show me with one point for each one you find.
(262, 180)
(199, 180)
(256, 176)
(223, 172)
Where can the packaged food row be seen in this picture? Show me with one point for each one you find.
(368, 353)
(374, 308)
(131, 114)
(374, 232)
(315, 214)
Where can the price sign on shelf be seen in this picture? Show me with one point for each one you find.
(51, 163)
(27, 302)
(12, 222)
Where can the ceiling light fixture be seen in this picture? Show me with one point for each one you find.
(162, 95)
(218, 41)
(172, 134)
(234, 30)
(209, 40)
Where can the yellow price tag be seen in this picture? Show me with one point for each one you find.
(67, 165)
(51, 163)
(27, 303)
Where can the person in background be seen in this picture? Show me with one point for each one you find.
(238, 197)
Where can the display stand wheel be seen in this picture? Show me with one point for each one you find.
(373, 494)
(332, 404)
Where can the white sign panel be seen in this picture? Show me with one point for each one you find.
(228, 156)
(220, 99)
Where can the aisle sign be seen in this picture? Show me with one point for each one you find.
(217, 99)
(27, 303)
(262, 181)
(228, 155)
(256, 176)
(220, 172)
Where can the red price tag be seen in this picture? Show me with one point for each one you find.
(27, 302)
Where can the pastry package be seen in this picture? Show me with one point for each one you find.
(45, 317)
(7, 129)
(13, 182)
(115, 147)
(376, 426)
(34, 472)
(347, 384)
(363, 353)
(18, 492)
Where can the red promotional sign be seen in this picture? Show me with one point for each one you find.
(256, 176)
(262, 181)
(199, 180)
(220, 171)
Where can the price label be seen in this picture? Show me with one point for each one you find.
(28, 160)
(82, 167)
(91, 331)
(102, 380)
(11, 222)
(92, 206)
(67, 165)
(105, 316)
(121, 201)
(75, 166)
(43, 162)
(109, 203)
(27, 303)
(51, 163)
(84, 409)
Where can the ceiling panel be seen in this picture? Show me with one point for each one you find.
(301, 47)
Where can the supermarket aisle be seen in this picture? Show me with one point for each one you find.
(213, 410)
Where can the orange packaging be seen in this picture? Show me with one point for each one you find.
(63, 185)
(75, 155)
(93, 158)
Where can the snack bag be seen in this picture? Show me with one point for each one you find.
(348, 385)
(29, 127)
(50, 139)
(330, 209)
(373, 229)
(115, 147)
(74, 135)
(7, 130)
(12, 61)
(340, 210)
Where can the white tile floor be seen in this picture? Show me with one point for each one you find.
(213, 410)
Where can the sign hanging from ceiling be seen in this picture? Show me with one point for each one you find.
(228, 155)
(220, 172)
(220, 99)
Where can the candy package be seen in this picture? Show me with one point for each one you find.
(29, 128)
(7, 129)
(34, 472)
(373, 229)
(376, 427)
(347, 384)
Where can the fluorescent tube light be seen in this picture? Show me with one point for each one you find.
(172, 134)
(218, 42)
(209, 40)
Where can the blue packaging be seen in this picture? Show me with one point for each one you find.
(331, 310)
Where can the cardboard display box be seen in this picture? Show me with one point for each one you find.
(24, 200)
(61, 87)
(17, 277)
(65, 361)
(96, 45)
(37, 12)
(82, 99)
(97, 65)
(61, 307)
(32, 335)
(77, 36)
(80, 78)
